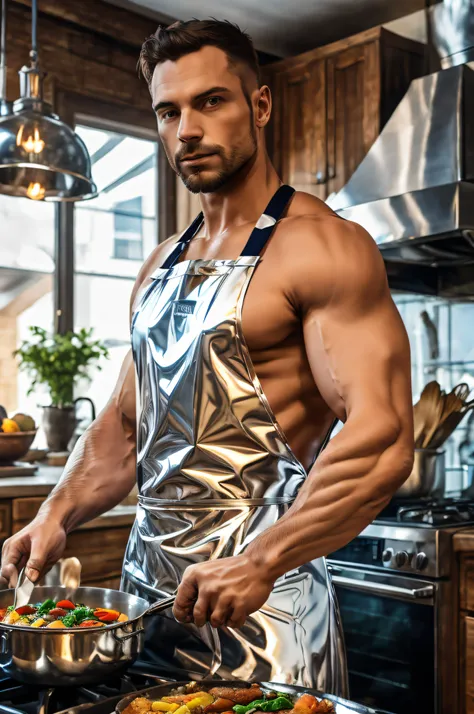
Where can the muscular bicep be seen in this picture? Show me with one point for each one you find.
(355, 340)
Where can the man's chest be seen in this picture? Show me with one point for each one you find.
(266, 313)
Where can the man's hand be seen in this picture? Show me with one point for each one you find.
(223, 592)
(38, 546)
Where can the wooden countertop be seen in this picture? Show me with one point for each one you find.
(42, 482)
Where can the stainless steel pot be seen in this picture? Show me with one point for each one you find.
(428, 476)
(49, 657)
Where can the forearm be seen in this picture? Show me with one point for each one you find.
(99, 474)
(350, 483)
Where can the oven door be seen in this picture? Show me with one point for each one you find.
(389, 630)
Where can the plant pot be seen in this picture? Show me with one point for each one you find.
(59, 424)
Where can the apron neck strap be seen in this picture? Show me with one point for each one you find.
(267, 221)
(188, 235)
(259, 236)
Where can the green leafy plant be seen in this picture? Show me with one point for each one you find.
(59, 361)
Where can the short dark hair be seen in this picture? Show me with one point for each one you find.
(182, 38)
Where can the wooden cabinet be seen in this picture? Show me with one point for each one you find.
(100, 550)
(330, 104)
(467, 671)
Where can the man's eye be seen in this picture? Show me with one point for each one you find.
(213, 101)
(170, 114)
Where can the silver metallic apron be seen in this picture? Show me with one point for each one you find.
(215, 470)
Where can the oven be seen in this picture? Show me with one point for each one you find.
(389, 623)
(394, 586)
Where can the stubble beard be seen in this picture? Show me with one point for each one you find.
(232, 163)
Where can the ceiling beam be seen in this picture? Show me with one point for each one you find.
(123, 25)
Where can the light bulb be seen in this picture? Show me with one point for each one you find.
(35, 191)
(33, 144)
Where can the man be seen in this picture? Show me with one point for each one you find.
(269, 319)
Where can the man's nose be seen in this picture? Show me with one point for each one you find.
(189, 127)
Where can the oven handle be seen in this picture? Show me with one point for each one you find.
(424, 592)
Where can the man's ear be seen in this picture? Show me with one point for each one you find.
(263, 102)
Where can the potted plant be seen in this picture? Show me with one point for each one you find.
(58, 362)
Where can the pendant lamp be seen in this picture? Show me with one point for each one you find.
(40, 157)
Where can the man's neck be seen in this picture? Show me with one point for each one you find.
(241, 201)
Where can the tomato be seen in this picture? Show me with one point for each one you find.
(57, 612)
(26, 610)
(3, 612)
(106, 615)
(91, 623)
(66, 605)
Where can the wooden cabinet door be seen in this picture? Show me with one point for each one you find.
(353, 110)
(298, 134)
(467, 669)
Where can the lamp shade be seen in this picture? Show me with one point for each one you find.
(41, 157)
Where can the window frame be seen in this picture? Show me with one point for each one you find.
(74, 108)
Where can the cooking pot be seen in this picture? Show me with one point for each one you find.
(72, 657)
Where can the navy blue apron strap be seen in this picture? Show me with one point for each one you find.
(267, 221)
(188, 235)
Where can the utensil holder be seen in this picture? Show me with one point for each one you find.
(427, 479)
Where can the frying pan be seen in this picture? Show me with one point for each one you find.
(341, 706)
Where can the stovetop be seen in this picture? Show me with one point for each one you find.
(429, 513)
(411, 537)
(16, 698)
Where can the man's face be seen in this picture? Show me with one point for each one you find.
(204, 119)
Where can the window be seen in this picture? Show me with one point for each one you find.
(128, 229)
(113, 234)
(27, 262)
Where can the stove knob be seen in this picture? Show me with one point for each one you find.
(401, 559)
(421, 561)
(387, 555)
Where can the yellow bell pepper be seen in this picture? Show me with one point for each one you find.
(202, 700)
(123, 618)
(182, 710)
(56, 624)
(11, 617)
(164, 707)
(39, 622)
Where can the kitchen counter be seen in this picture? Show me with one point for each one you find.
(42, 483)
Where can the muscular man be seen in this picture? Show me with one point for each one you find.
(269, 319)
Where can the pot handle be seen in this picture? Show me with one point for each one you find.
(160, 606)
(4, 637)
(129, 636)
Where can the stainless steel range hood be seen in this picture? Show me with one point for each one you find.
(414, 191)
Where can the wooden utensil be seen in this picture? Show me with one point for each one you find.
(422, 410)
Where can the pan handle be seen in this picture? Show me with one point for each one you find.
(160, 606)
(129, 636)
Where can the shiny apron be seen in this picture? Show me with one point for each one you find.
(214, 470)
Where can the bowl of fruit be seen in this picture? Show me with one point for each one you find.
(16, 436)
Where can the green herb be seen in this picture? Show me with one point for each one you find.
(83, 613)
(69, 620)
(265, 705)
(45, 607)
(60, 361)
(10, 608)
(78, 615)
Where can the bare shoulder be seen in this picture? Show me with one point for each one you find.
(327, 257)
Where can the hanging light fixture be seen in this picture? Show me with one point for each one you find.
(40, 157)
